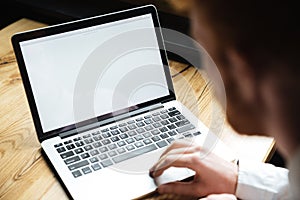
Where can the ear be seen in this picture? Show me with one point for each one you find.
(243, 75)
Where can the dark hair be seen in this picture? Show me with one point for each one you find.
(264, 31)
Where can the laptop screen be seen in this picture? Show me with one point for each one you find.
(81, 74)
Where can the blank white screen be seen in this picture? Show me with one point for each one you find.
(54, 64)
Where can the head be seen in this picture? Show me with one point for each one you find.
(254, 45)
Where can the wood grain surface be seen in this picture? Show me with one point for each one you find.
(24, 174)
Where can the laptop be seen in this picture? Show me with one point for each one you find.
(103, 103)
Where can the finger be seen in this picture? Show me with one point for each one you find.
(180, 147)
(180, 188)
(182, 143)
(180, 160)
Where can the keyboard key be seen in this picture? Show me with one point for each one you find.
(103, 156)
(86, 136)
(164, 116)
(148, 121)
(174, 113)
(155, 138)
(163, 129)
(86, 170)
(155, 114)
(130, 122)
(78, 165)
(185, 128)
(94, 159)
(149, 127)
(164, 135)
(113, 127)
(103, 149)
(72, 160)
(138, 144)
(106, 163)
(163, 111)
(182, 122)
(97, 137)
(96, 167)
(106, 135)
(68, 142)
(97, 144)
(140, 130)
(139, 119)
(130, 140)
(134, 153)
(172, 126)
(121, 143)
(132, 126)
(172, 109)
(78, 151)
(115, 132)
(112, 146)
(164, 122)
(112, 153)
(115, 139)
(76, 173)
(77, 139)
(172, 133)
(94, 152)
(122, 124)
(88, 147)
(147, 141)
(106, 141)
(147, 134)
(132, 133)
(147, 116)
(123, 136)
(197, 133)
(121, 150)
(96, 133)
(138, 137)
(67, 154)
(155, 132)
(130, 147)
(187, 134)
(161, 144)
(156, 125)
(88, 140)
(70, 146)
(61, 149)
(140, 124)
(170, 140)
(58, 145)
(173, 119)
(85, 155)
(156, 119)
(123, 129)
(104, 130)
(79, 144)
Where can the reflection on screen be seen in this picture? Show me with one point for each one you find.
(106, 67)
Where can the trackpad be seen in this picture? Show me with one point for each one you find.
(174, 174)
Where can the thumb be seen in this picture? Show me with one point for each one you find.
(180, 188)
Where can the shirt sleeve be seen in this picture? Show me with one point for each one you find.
(257, 180)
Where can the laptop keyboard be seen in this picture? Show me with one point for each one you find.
(112, 145)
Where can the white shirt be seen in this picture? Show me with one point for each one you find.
(258, 180)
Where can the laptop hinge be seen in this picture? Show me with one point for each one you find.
(116, 118)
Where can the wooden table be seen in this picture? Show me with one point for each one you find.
(24, 172)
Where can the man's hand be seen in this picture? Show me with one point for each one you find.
(213, 175)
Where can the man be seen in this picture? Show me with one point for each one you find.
(255, 46)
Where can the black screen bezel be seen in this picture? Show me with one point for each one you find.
(79, 24)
